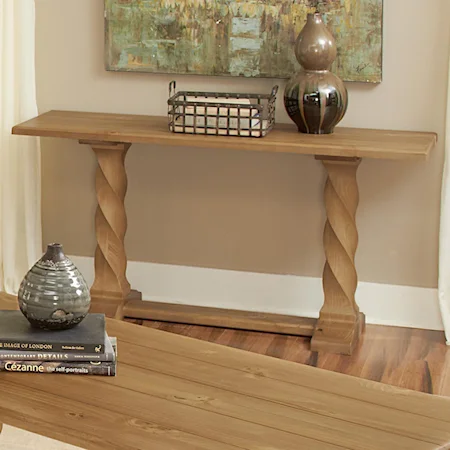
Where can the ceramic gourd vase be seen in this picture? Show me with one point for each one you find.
(315, 99)
(54, 295)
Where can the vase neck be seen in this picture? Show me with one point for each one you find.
(315, 47)
(314, 18)
(54, 253)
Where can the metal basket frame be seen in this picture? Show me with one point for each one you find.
(238, 117)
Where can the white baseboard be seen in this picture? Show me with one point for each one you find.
(384, 304)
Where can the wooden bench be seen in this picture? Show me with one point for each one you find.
(179, 393)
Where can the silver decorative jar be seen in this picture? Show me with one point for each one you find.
(54, 295)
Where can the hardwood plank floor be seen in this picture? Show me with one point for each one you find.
(405, 357)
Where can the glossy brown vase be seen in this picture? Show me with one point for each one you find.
(315, 98)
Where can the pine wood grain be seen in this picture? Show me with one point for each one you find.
(345, 142)
(181, 393)
(340, 322)
(275, 323)
(157, 389)
(8, 302)
(110, 283)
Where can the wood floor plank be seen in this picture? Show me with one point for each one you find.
(259, 367)
(438, 363)
(444, 388)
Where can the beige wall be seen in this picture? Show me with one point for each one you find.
(238, 210)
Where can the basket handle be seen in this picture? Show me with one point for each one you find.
(172, 88)
(274, 91)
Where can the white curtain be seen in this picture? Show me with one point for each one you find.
(20, 189)
(444, 244)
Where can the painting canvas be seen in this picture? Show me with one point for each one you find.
(251, 38)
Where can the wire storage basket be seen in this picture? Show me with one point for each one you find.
(221, 114)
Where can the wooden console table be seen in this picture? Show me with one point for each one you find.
(111, 135)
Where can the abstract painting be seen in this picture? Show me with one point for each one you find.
(250, 38)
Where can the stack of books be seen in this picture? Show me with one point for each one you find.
(83, 350)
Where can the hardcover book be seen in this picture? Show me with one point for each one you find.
(18, 355)
(17, 334)
(103, 368)
(66, 367)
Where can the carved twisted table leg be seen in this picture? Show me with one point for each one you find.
(340, 321)
(111, 287)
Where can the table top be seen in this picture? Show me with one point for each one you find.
(345, 142)
(177, 393)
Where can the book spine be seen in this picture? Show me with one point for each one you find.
(55, 356)
(61, 347)
(67, 367)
